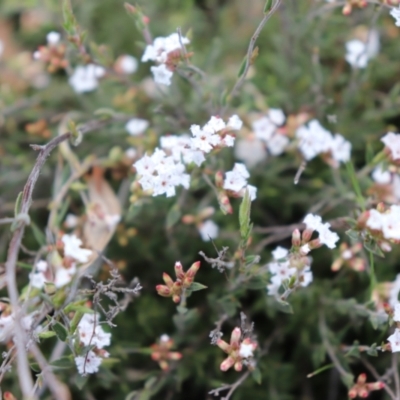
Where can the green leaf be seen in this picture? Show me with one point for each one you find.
(80, 381)
(356, 186)
(38, 234)
(195, 286)
(35, 367)
(132, 395)
(63, 362)
(242, 67)
(244, 217)
(69, 18)
(173, 216)
(268, 6)
(256, 374)
(18, 204)
(60, 331)
(372, 246)
(284, 306)
(353, 235)
(372, 351)
(78, 306)
(47, 334)
(75, 321)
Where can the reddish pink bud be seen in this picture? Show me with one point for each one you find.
(163, 290)
(174, 355)
(306, 236)
(179, 270)
(219, 179)
(363, 393)
(223, 345)
(362, 378)
(227, 363)
(146, 20)
(296, 238)
(176, 298)
(352, 393)
(347, 9)
(235, 337)
(238, 366)
(130, 8)
(168, 280)
(156, 356)
(193, 269)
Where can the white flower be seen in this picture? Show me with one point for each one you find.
(358, 53)
(375, 220)
(396, 316)
(204, 139)
(282, 269)
(37, 278)
(235, 122)
(53, 38)
(250, 150)
(235, 180)
(164, 338)
(71, 221)
(128, 64)
(72, 248)
(277, 144)
(395, 13)
(340, 148)
(208, 230)
(252, 192)
(313, 139)
(392, 142)
(131, 152)
(391, 223)
(305, 249)
(136, 126)
(279, 253)
(63, 276)
(162, 74)
(305, 277)
(246, 350)
(394, 292)
(394, 340)
(274, 286)
(91, 333)
(379, 175)
(215, 124)
(313, 222)
(326, 236)
(88, 364)
(85, 78)
(160, 48)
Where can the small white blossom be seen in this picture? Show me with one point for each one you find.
(279, 253)
(63, 276)
(277, 144)
(88, 364)
(381, 176)
(392, 142)
(72, 248)
(162, 74)
(235, 122)
(305, 277)
(313, 222)
(375, 220)
(204, 139)
(71, 221)
(37, 277)
(246, 350)
(396, 316)
(128, 64)
(85, 78)
(395, 13)
(136, 126)
(208, 230)
(53, 38)
(91, 333)
(164, 338)
(358, 53)
(250, 150)
(394, 340)
(326, 236)
(394, 292)
(340, 148)
(236, 179)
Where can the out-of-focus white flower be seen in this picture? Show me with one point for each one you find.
(379, 175)
(305, 277)
(250, 150)
(72, 248)
(395, 13)
(246, 350)
(266, 126)
(388, 222)
(164, 338)
(396, 315)
(88, 364)
(208, 230)
(394, 292)
(91, 332)
(235, 122)
(277, 144)
(279, 253)
(86, 78)
(326, 236)
(394, 340)
(136, 126)
(313, 222)
(236, 181)
(53, 38)
(131, 152)
(128, 64)
(358, 53)
(37, 277)
(392, 142)
(63, 276)
(160, 48)
(375, 220)
(340, 148)
(71, 221)
(313, 139)
(215, 124)
(162, 74)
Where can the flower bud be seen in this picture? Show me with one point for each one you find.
(235, 337)
(227, 363)
(223, 345)
(168, 280)
(179, 270)
(163, 290)
(347, 9)
(219, 179)
(296, 238)
(306, 236)
(238, 366)
(193, 269)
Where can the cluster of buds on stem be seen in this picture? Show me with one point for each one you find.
(223, 198)
(239, 350)
(162, 354)
(362, 389)
(348, 258)
(183, 281)
(348, 7)
(53, 54)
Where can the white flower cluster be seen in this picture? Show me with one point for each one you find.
(395, 13)
(91, 333)
(159, 52)
(62, 275)
(388, 222)
(282, 271)
(266, 129)
(314, 139)
(325, 235)
(86, 77)
(7, 325)
(162, 173)
(394, 339)
(136, 126)
(392, 142)
(236, 181)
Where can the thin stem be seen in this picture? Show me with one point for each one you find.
(396, 374)
(372, 273)
(250, 49)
